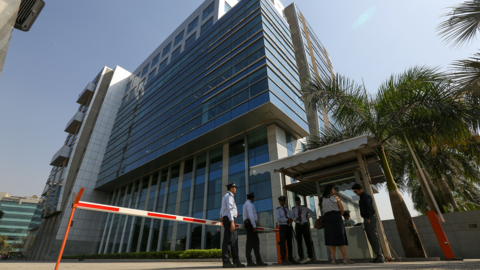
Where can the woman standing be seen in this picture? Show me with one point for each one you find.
(335, 235)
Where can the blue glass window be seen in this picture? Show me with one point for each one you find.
(227, 7)
(178, 38)
(176, 52)
(166, 50)
(155, 60)
(206, 26)
(162, 65)
(145, 69)
(192, 25)
(190, 40)
(151, 75)
(208, 10)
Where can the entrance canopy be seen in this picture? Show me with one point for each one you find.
(334, 163)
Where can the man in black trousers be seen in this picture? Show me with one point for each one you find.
(370, 222)
(250, 219)
(228, 213)
(285, 220)
(301, 215)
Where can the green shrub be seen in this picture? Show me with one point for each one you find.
(189, 254)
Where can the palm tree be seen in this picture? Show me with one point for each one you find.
(452, 169)
(461, 27)
(462, 23)
(417, 103)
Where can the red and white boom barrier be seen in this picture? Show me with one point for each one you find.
(141, 213)
(77, 204)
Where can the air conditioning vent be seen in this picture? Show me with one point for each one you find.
(28, 13)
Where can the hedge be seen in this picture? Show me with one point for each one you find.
(188, 254)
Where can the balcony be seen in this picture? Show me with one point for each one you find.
(86, 94)
(61, 155)
(75, 122)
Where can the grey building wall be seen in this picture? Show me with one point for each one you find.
(8, 15)
(463, 239)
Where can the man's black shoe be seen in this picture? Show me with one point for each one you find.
(286, 263)
(260, 263)
(378, 261)
(228, 265)
(251, 264)
(294, 262)
(239, 265)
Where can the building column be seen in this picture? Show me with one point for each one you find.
(167, 187)
(140, 235)
(154, 209)
(226, 151)
(177, 205)
(277, 148)
(128, 205)
(190, 206)
(205, 196)
(135, 205)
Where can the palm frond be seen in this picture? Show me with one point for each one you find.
(462, 23)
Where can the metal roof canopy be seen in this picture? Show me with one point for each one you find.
(332, 163)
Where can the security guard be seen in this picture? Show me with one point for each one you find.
(228, 213)
(301, 214)
(250, 219)
(285, 221)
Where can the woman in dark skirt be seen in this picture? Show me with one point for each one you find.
(335, 235)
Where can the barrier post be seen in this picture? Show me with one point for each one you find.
(277, 237)
(74, 206)
(441, 237)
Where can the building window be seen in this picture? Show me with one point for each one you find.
(162, 65)
(192, 25)
(151, 75)
(145, 69)
(190, 40)
(178, 38)
(206, 26)
(155, 60)
(166, 50)
(208, 11)
(176, 52)
(227, 7)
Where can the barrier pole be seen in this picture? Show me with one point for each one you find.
(440, 234)
(277, 237)
(74, 206)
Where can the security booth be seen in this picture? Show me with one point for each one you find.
(342, 164)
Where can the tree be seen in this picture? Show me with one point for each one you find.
(418, 104)
(1, 214)
(461, 27)
(4, 246)
(453, 170)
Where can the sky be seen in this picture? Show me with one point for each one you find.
(47, 67)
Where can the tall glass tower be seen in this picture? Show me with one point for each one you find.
(221, 94)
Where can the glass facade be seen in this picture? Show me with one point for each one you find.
(18, 217)
(235, 66)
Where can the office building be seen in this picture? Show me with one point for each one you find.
(16, 14)
(221, 94)
(20, 214)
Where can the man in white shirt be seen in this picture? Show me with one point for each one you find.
(250, 219)
(284, 221)
(228, 213)
(301, 215)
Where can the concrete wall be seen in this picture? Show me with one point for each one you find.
(268, 247)
(463, 239)
(8, 15)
